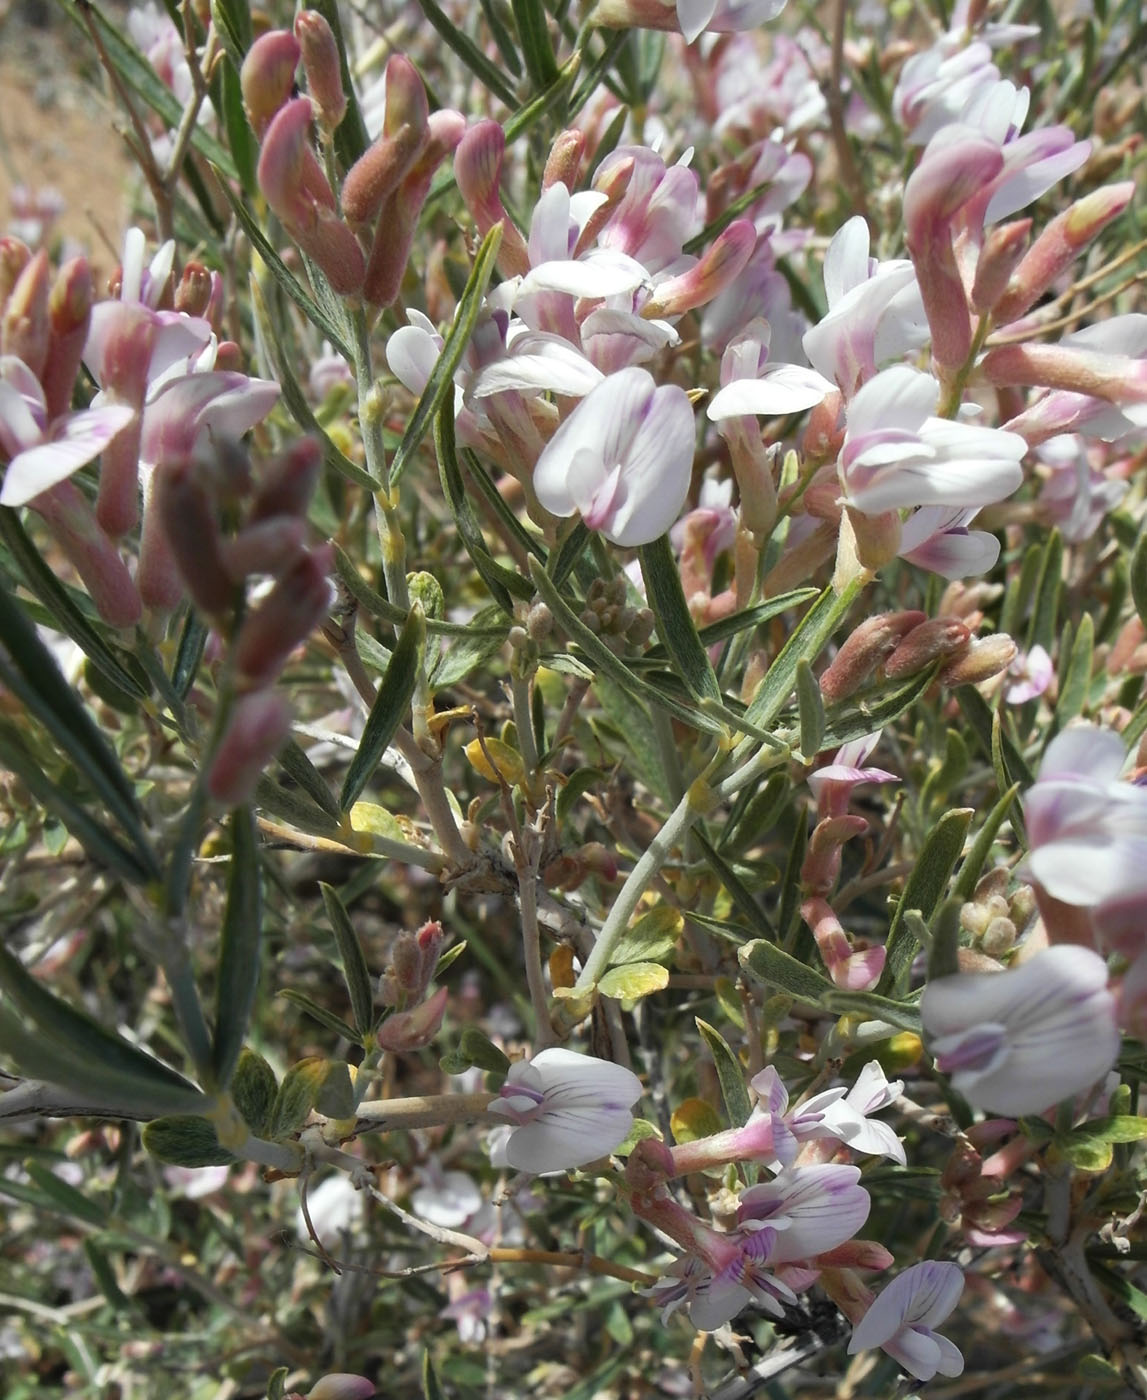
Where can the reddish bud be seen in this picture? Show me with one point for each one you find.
(322, 66)
(564, 159)
(411, 1030)
(189, 519)
(1002, 249)
(266, 548)
(875, 639)
(73, 525)
(69, 314)
(267, 77)
(257, 730)
(24, 327)
(722, 261)
(341, 1385)
(286, 617)
(478, 171)
(1116, 378)
(14, 258)
(985, 658)
(939, 636)
(193, 294)
(287, 483)
(822, 861)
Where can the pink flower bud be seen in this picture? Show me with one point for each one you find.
(257, 730)
(268, 76)
(849, 968)
(322, 67)
(1079, 370)
(564, 159)
(287, 483)
(478, 171)
(378, 172)
(939, 636)
(411, 1030)
(429, 938)
(875, 638)
(822, 861)
(73, 525)
(398, 219)
(286, 617)
(193, 294)
(721, 263)
(406, 963)
(1059, 245)
(266, 548)
(69, 314)
(14, 258)
(985, 658)
(24, 327)
(1002, 249)
(188, 515)
(340, 1385)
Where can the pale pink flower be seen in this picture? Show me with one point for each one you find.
(839, 1113)
(1029, 676)
(903, 1318)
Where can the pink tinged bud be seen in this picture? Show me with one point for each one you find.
(903, 1318)
(406, 963)
(720, 265)
(411, 1030)
(322, 67)
(24, 328)
(940, 636)
(855, 971)
(867, 647)
(14, 258)
(73, 525)
(857, 1254)
(1077, 369)
(158, 576)
(267, 77)
(287, 483)
(266, 548)
(478, 171)
(1002, 249)
(564, 160)
(341, 1385)
(957, 163)
(1059, 245)
(822, 860)
(194, 292)
(430, 938)
(1021, 1041)
(257, 730)
(297, 190)
(286, 617)
(398, 219)
(69, 313)
(751, 1143)
(187, 513)
(986, 657)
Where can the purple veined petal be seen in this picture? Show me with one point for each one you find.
(564, 1137)
(898, 398)
(770, 1088)
(1084, 751)
(1016, 188)
(221, 401)
(574, 1078)
(613, 339)
(873, 1090)
(873, 1139)
(932, 483)
(1085, 872)
(179, 339)
(955, 553)
(781, 390)
(603, 424)
(917, 1351)
(970, 441)
(584, 203)
(14, 372)
(78, 438)
(822, 1206)
(716, 1302)
(656, 470)
(412, 353)
(923, 1295)
(846, 259)
(19, 430)
(884, 447)
(693, 16)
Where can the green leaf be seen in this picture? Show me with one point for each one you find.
(651, 939)
(105, 1277)
(487, 72)
(534, 37)
(185, 1142)
(254, 1089)
(1120, 1128)
(31, 673)
(675, 626)
(1043, 627)
(977, 857)
(64, 1197)
(277, 1385)
(336, 1098)
(808, 641)
(776, 968)
(43, 583)
(1076, 684)
(556, 95)
(865, 713)
(294, 806)
(391, 705)
(923, 891)
(465, 655)
(634, 980)
(810, 710)
(945, 942)
(189, 653)
(321, 1014)
(980, 720)
(354, 967)
(431, 1390)
(240, 137)
(298, 1094)
(571, 546)
(1138, 575)
(730, 1075)
(299, 767)
(502, 37)
(440, 386)
(478, 1049)
(238, 975)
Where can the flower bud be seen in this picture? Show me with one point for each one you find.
(1076, 369)
(256, 731)
(985, 658)
(564, 159)
(478, 171)
(69, 315)
(287, 482)
(193, 294)
(406, 963)
(14, 258)
(822, 861)
(940, 636)
(24, 327)
(875, 638)
(267, 76)
(321, 64)
(266, 548)
(411, 1030)
(719, 265)
(1059, 245)
(189, 519)
(341, 1385)
(285, 618)
(72, 524)
(1002, 249)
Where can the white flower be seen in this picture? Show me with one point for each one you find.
(903, 1316)
(566, 1109)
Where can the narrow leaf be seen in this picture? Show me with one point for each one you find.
(1138, 576)
(943, 952)
(440, 386)
(238, 974)
(866, 713)
(1076, 684)
(675, 626)
(390, 707)
(730, 1075)
(923, 890)
(970, 872)
(487, 72)
(810, 711)
(321, 1014)
(808, 641)
(776, 968)
(1043, 627)
(64, 1197)
(533, 34)
(353, 960)
(299, 767)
